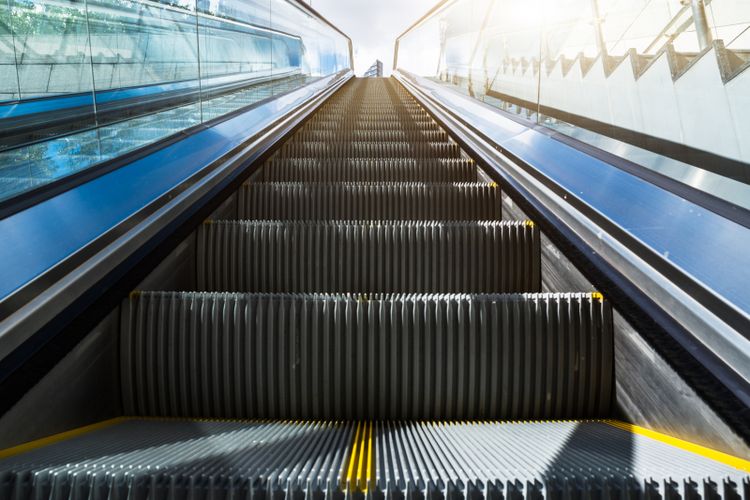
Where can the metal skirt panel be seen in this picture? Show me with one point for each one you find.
(375, 257)
(358, 357)
(369, 201)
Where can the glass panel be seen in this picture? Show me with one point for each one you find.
(52, 59)
(313, 55)
(8, 75)
(52, 50)
(145, 62)
(730, 20)
(99, 78)
(235, 54)
(662, 83)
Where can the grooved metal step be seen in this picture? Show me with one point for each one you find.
(436, 135)
(139, 459)
(364, 125)
(362, 149)
(368, 170)
(359, 357)
(369, 201)
(369, 257)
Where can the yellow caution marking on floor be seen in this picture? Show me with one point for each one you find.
(351, 470)
(56, 438)
(370, 462)
(360, 466)
(718, 456)
(362, 458)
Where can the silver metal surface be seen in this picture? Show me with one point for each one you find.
(254, 460)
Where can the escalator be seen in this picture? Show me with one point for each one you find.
(365, 321)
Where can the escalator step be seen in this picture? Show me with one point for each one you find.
(346, 357)
(348, 124)
(369, 201)
(356, 149)
(369, 257)
(149, 459)
(367, 170)
(344, 118)
(436, 135)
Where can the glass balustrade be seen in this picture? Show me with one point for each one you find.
(82, 82)
(662, 83)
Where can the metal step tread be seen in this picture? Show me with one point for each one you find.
(179, 459)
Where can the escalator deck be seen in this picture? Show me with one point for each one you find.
(365, 323)
(190, 459)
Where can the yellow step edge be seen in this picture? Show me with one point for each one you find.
(370, 464)
(361, 479)
(718, 456)
(62, 436)
(350, 476)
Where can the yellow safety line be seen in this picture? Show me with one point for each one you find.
(56, 438)
(718, 456)
(370, 471)
(350, 471)
(362, 459)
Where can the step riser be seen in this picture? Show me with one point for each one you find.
(374, 150)
(455, 357)
(351, 170)
(372, 135)
(369, 258)
(263, 201)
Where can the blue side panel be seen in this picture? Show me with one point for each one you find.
(46, 105)
(49, 104)
(710, 248)
(294, 51)
(40, 237)
(327, 63)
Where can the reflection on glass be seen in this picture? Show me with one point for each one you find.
(51, 46)
(9, 89)
(664, 83)
(89, 81)
(144, 58)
